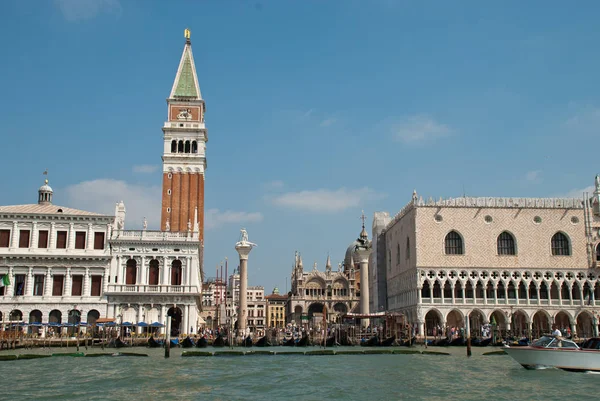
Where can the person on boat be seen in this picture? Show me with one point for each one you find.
(556, 331)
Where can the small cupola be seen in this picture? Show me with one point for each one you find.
(45, 194)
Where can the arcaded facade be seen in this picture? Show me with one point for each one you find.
(523, 263)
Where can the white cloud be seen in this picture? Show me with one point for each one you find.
(326, 200)
(145, 168)
(418, 128)
(275, 184)
(585, 121)
(533, 175)
(215, 218)
(328, 122)
(101, 195)
(577, 193)
(77, 10)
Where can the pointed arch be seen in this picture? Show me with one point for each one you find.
(437, 289)
(522, 292)
(512, 291)
(544, 293)
(458, 290)
(576, 292)
(453, 243)
(506, 244)
(447, 290)
(560, 244)
(564, 291)
(532, 290)
(479, 290)
(426, 290)
(501, 291)
(469, 290)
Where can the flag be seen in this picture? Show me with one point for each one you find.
(5, 281)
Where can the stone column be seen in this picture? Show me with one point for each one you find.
(90, 238)
(142, 279)
(186, 319)
(86, 283)
(14, 242)
(68, 283)
(189, 271)
(573, 330)
(71, 243)
(243, 248)
(48, 283)
(52, 236)
(34, 235)
(105, 277)
(363, 253)
(29, 283)
(165, 275)
(163, 317)
(139, 318)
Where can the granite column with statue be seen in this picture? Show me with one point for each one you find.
(362, 251)
(243, 248)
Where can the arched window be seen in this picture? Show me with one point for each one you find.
(173, 146)
(187, 147)
(180, 147)
(560, 245)
(194, 147)
(153, 272)
(453, 243)
(506, 244)
(407, 248)
(131, 272)
(398, 254)
(598, 252)
(176, 272)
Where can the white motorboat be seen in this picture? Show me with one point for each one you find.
(556, 352)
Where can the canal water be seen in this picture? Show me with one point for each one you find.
(285, 377)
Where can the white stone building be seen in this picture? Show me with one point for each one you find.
(523, 263)
(57, 260)
(154, 274)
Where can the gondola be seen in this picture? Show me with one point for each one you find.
(152, 343)
(388, 342)
(289, 343)
(459, 341)
(347, 341)
(485, 342)
(330, 342)
(442, 342)
(303, 342)
(174, 342)
(202, 342)
(263, 342)
(219, 342)
(247, 342)
(117, 343)
(188, 343)
(371, 342)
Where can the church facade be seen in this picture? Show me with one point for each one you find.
(525, 264)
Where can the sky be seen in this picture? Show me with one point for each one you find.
(316, 110)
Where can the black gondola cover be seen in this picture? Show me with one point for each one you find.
(202, 342)
(188, 343)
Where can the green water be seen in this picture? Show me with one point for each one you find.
(279, 377)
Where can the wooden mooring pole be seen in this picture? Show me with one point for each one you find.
(168, 338)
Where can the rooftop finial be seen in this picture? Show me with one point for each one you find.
(363, 232)
(46, 174)
(187, 33)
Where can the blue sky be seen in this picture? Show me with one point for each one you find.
(316, 110)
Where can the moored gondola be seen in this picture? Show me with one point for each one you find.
(289, 343)
(408, 342)
(442, 342)
(152, 343)
(371, 342)
(388, 342)
(263, 342)
(188, 343)
(174, 342)
(330, 342)
(219, 342)
(117, 343)
(458, 341)
(247, 342)
(202, 342)
(303, 342)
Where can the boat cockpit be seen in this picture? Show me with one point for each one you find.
(554, 342)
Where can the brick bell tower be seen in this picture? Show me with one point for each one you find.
(184, 157)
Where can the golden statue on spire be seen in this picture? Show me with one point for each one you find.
(187, 33)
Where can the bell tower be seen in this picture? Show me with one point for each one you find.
(184, 157)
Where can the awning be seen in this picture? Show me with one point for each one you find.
(157, 324)
(105, 320)
(200, 320)
(142, 324)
